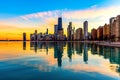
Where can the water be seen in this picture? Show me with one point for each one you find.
(58, 61)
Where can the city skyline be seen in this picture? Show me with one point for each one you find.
(15, 20)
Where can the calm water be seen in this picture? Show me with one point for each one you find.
(58, 61)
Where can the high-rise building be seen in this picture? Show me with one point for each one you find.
(60, 34)
(85, 24)
(74, 36)
(69, 31)
(24, 36)
(35, 31)
(73, 33)
(35, 34)
(79, 34)
(31, 37)
(55, 29)
(60, 23)
(111, 26)
(94, 34)
(47, 31)
(100, 33)
(115, 28)
(106, 32)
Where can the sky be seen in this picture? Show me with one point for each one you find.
(18, 16)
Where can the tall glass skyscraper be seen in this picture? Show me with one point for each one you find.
(85, 30)
(60, 23)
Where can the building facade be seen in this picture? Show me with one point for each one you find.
(24, 36)
(115, 28)
(106, 32)
(79, 34)
(85, 24)
(69, 31)
(94, 34)
(60, 23)
(100, 33)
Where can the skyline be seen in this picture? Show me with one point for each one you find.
(16, 19)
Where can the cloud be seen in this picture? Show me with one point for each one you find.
(95, 16)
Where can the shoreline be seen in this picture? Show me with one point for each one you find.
(100, 43)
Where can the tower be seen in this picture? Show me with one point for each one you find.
(69, 31)
(55, 29)
(35, 35)
(60, 30)
(24, 36)
(47, 31)
(85, 24)
(60, 23)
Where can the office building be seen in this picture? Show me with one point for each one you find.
(111, 26)
(106, 32)
(47, 31)
(60, 23)
(100, 33)
(60, 34)
(69, 31)
(115, 28)
(55, 29)
(94, 34)
(85, 24)
(73, 33)
(24, 36)
(35, 35)
(79, 34)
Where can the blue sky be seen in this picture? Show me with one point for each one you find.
(18, 16)
(11, 8)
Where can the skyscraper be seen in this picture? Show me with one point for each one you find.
(60, 23)
(60, 30)
(24, 36)
(94, 34)
(47, 31)
(55, 29)
(111, 26)
(106, 32)
(79, 34)
(115, 28)
(69, 31)
(35, 35)
(85, 24)
(100, 33)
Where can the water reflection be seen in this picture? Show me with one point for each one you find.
(24, 45)
(110, 53)
(58, 52)
(85, 57)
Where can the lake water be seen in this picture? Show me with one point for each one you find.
(58, 61)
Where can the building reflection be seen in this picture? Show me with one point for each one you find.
(78, 48)
(85, 55)
(110, 53)
(24, 45)
(33, 46)
(70, 50)
(81, 49)
(59, 52)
